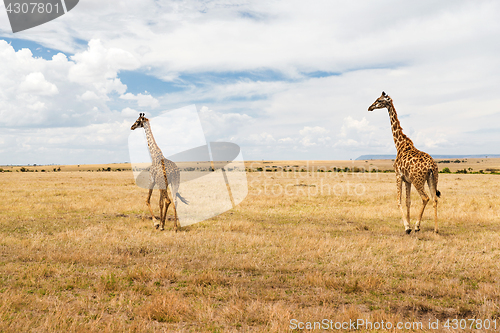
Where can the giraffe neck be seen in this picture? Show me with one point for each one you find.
(401, 141)
(154, 150)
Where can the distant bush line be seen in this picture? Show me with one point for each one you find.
(23, 169)
(362, 170)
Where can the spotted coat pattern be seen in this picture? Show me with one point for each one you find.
(411, 166)
(162, 173)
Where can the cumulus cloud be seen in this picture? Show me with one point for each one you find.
(129, 113)
(142, 100)
(35, 84)
(312, 136)
(37, 92)
(98, 67)
(350, 124)
(220, 126)
(274, 72)
(89, 95)
(263, 138)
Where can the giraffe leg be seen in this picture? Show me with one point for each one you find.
(432, 187)
(435, 204)
(162, 214)
(406, 223)
(175, 189)
(167, 203)
(156, 224)
(425, 200)
(177, 225)
(408, 204)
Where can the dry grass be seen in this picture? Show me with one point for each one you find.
(78, 254)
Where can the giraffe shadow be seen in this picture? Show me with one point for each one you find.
(428, 234)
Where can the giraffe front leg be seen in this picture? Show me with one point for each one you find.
(156, 224)
(425, 200)
(399, 183)
(408, 205)
(162, 212)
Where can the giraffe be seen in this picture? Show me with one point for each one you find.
(162, 172)
(411, 166)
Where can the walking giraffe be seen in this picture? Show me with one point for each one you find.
(412, 166)
(162, 173)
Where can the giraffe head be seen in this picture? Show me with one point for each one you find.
(384, 101)
(139, 122)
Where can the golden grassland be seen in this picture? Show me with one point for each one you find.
(78, 253)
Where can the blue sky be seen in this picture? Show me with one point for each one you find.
(282, 79)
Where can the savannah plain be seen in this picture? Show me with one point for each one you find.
(78, 252)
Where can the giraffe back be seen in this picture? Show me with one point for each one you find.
(415, 165)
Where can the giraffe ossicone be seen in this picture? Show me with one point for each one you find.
(411, 166)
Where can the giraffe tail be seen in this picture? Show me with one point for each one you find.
(182, 198)
(434, 176)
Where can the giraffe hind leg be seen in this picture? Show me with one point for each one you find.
(174, 187)
(166, 200)
(425, 200)
(176, 218)
(434, 194)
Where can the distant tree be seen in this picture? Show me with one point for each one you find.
(446, 170)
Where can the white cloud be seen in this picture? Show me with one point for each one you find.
(35, 84)
(356, 125)
(288, 36)
(220, 126)
(89, 95)
(142, 100)
(286, 140)
(312, 136)
(37, 106)
(128, 112)
(36, 92)
(436, 60)
(262, 139)
(99, 66)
